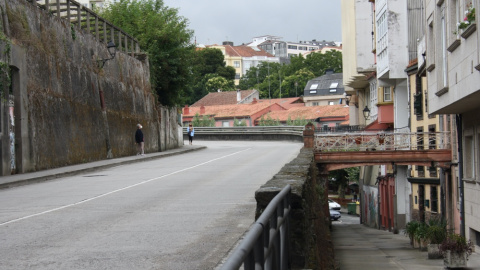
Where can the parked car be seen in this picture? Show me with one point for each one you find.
(335, 215)
(332, 205)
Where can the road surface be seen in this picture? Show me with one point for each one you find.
(182, 212)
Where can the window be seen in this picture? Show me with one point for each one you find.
(444, 49)
(315, 103)
(387, 94)
(236, 64)
(237, 76)
(314, 86)
(434, 199)
(292, 47)
(225, 124)
(334, 85)
(333, 90)
(313, 91)
(331, 103)
(469, 159)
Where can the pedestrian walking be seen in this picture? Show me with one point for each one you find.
(190, 132)
(139, 140)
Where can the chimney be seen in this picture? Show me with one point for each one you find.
(186, 110)
(239, 96)
(202, 110)
(254, 101)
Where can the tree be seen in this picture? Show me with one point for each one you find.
(318, 63)
(208, 64)
(218, 83)
(342, 178)
(203, 121)
(164, 36)
(281, 80)
(295, 83)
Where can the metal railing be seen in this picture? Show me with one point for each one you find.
(365, 141)
(266, 244)
(291, 130)
(86, 19)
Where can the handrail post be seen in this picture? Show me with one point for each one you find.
(58, 8)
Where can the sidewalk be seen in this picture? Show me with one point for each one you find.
(40, 176)
(359, 247)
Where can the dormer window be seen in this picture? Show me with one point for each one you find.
(314, 86)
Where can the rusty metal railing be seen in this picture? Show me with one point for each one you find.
(378, 141)
(265, 245)
(87, 20)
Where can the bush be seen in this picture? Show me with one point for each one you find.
(411, 227)
(436, 231)
(456, 244)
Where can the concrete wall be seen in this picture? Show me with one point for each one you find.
(67, 109)
(310, 243)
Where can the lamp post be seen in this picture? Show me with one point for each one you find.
(112, 50)
(366, 113)
(347, 99)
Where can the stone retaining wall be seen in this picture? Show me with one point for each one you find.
(68, 110)
(311, 246)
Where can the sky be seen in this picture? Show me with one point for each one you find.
(215, 21)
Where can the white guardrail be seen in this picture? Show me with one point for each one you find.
(257, 130)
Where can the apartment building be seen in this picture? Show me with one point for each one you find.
(453, 73)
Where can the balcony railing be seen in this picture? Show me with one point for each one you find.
(365, 141)
(84, 18)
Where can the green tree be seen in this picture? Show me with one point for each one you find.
(164, 36)
(203, 121)
(239, 123)
(207, 64)
(342, 178)
(295, 83)
(267, 78)
(217, 82)
(268, 121)
(318, 63)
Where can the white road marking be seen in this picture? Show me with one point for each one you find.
(118, 190)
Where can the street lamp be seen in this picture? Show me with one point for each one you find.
(347, 99)
(112, 50)
(366, 113)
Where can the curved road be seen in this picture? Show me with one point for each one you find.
(181, 212)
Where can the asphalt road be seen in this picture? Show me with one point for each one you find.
(181, 212)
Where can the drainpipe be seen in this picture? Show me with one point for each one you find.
(458, 119)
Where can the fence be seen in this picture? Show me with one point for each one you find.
(86, 19)
(368, 141)
(286, 130)
(266, 244)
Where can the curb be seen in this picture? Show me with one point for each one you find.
(46, 175)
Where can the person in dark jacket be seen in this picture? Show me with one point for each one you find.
(191, 133)
(139, 140)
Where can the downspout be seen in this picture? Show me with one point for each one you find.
(458, 119)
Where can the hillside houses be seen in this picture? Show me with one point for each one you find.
(229, 109)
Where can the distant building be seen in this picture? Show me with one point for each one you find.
(286, 49)
(243, 57)
(325, 90)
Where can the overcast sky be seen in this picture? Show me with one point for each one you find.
(215, 21)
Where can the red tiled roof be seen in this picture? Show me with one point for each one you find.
(287, 103)
(311, 113)
(245, 51)
(221, 98)
(230, 111)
